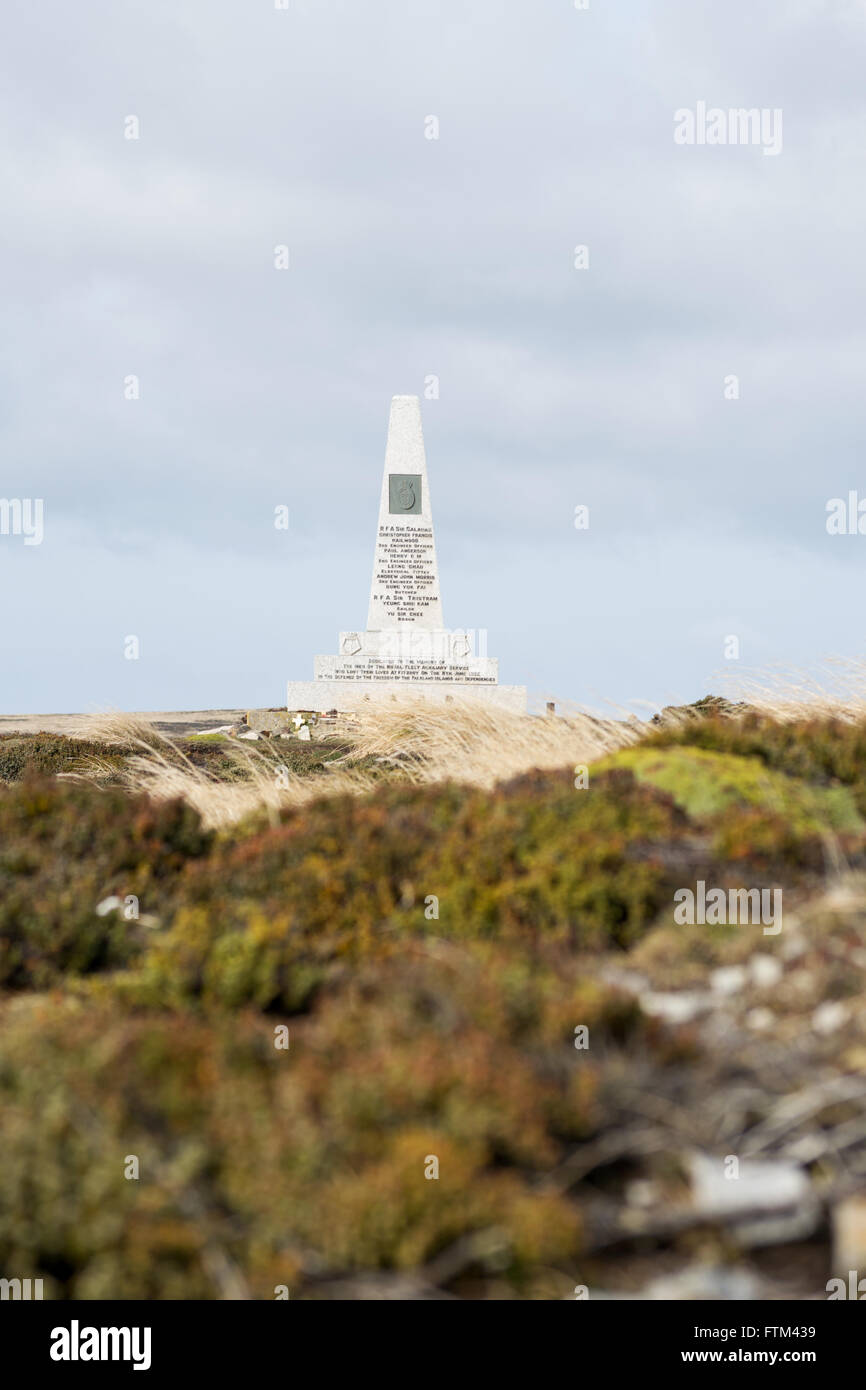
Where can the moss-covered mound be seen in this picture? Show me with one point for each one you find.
(707, 782)
(820, 752)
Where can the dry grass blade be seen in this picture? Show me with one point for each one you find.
(162, 770)
(835, 688)
(480, 744)
(423, 742)
(412, 742)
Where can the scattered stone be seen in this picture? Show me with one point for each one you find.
(729, 979)
(710, 705)
(768, 1184)
(705, 1282)
(642, 1193)
(760, 1020)
(268, 721)
(774, 1198)
(675, 1008)
(629, 980)
(250, 733)
(794, 945)
(830, 1016)
(766, 971)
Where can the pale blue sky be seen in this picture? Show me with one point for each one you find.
(412, 257)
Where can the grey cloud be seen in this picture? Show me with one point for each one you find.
(412, 257)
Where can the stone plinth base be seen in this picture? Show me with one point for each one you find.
(348, 696)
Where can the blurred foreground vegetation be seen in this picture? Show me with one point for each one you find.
(287, 1021)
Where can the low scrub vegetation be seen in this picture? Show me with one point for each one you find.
(336, 1037)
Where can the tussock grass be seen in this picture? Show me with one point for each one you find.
(416, 743)
(162, 770)
(421, 743)
(480, 745)
(831, 689)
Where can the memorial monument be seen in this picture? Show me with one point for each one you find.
(405, 651)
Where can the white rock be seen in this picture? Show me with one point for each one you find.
(794, 945)
(304, 732)
(766, 971)
(705, 1282)
(760, 1020)
(766, 1185)
(674, 1008)
(252, 734)
(729, 979)
(642, 1193)
(108, 905)
(830, 1016)
(628, 980)
(774, 1199)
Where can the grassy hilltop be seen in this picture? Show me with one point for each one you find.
(290, 981)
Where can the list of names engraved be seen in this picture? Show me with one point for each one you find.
(404, 574)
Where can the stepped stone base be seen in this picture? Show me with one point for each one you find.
(346, 696)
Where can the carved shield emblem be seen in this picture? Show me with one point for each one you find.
(404, 493)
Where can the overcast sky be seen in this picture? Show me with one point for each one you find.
(412, 257)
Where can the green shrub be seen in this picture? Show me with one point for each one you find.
(64, 848)
(267, 918)
(24, 755)
(288, 1165)
(418, 1028)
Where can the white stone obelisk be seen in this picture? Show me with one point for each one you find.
(404, 592)
(404, 652)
